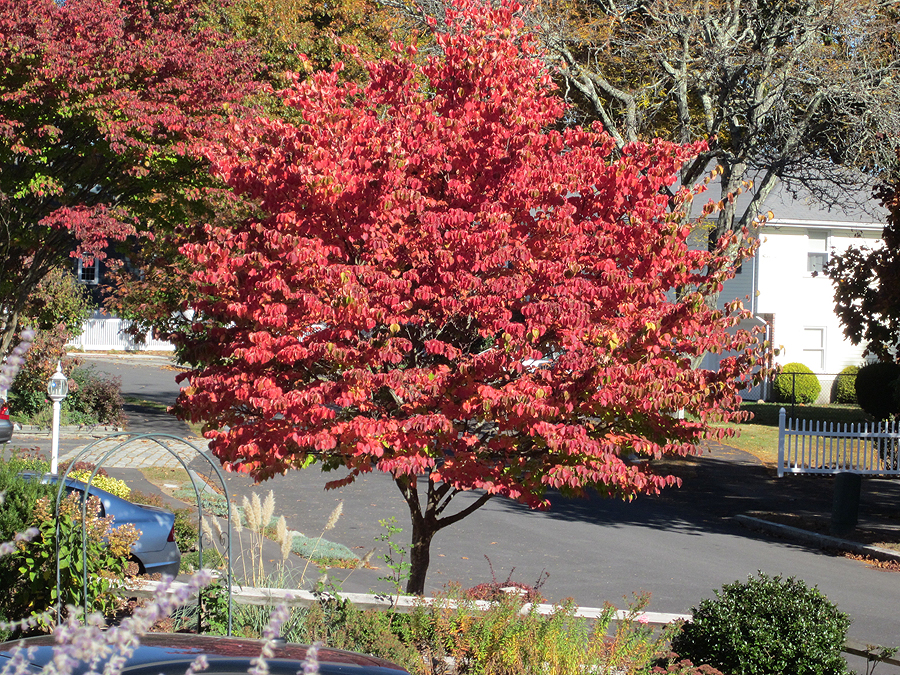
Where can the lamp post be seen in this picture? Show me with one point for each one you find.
(57, 388)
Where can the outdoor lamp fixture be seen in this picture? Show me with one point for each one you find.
(57, 388)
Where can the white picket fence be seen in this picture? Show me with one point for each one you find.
(806, 446)
(111, 334)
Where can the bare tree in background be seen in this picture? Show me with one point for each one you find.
(805, 91)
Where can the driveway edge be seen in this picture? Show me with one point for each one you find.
(816, 539)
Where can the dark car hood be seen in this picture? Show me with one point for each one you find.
(233, 654)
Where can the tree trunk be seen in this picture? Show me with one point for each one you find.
(426, 523)
(419, 556)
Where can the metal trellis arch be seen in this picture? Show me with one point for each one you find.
(164, 441)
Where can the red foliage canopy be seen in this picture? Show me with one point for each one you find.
(101, 105)
(445, 284)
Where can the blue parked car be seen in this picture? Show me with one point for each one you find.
(155, 550)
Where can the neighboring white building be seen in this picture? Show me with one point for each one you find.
(785, 289)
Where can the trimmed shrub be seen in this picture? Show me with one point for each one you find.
(875, 388)
(806, 389)
(321, 549)
(845, 385)
(766, 626)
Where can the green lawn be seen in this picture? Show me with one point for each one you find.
(759, 435)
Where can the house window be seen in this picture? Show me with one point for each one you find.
(817, 251)
(87, 273)
(814, 349)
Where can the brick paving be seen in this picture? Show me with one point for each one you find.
(136, 451)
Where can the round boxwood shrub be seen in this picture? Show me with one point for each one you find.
(845, 385)
(875, 388)
(807, 387)
(766, 626)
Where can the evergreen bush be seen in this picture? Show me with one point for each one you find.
(875, 388)
(845, 385)
(805, 390)
(766, 626)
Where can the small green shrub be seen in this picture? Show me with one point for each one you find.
(766, 626)
(875, 390)
(212, 559)
(845, 385)
(807, 387)
(318, 549)
(338, 623)
(186, 532)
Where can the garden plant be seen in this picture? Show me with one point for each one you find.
(766, 626)
(796, 383)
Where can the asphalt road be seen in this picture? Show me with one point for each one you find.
(679, 547)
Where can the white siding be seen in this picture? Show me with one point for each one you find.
(803, 304)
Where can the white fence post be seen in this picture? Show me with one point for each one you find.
(782, 414)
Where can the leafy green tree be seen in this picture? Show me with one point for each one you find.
(102, 106)
(867, 283)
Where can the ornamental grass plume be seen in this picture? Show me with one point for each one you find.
(253, 512)
(335, 515)
(267, 511)
(282, 535)
(219, 532)
(205, 529)
(329, 525)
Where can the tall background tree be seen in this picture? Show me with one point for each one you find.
(867, 284)
(443, 287)
(294, 38)
(803, 91)
(101, 104)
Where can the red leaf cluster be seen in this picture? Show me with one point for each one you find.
(447, 284)
(102, 103)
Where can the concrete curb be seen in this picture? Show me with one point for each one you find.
(120, 355)
(67, 431)
(246, 595)
(816, 539)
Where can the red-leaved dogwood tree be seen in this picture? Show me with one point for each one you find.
(449, 287)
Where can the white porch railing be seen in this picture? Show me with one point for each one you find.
(806, 446)
(111, 334)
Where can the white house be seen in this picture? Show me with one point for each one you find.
(785, 289)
